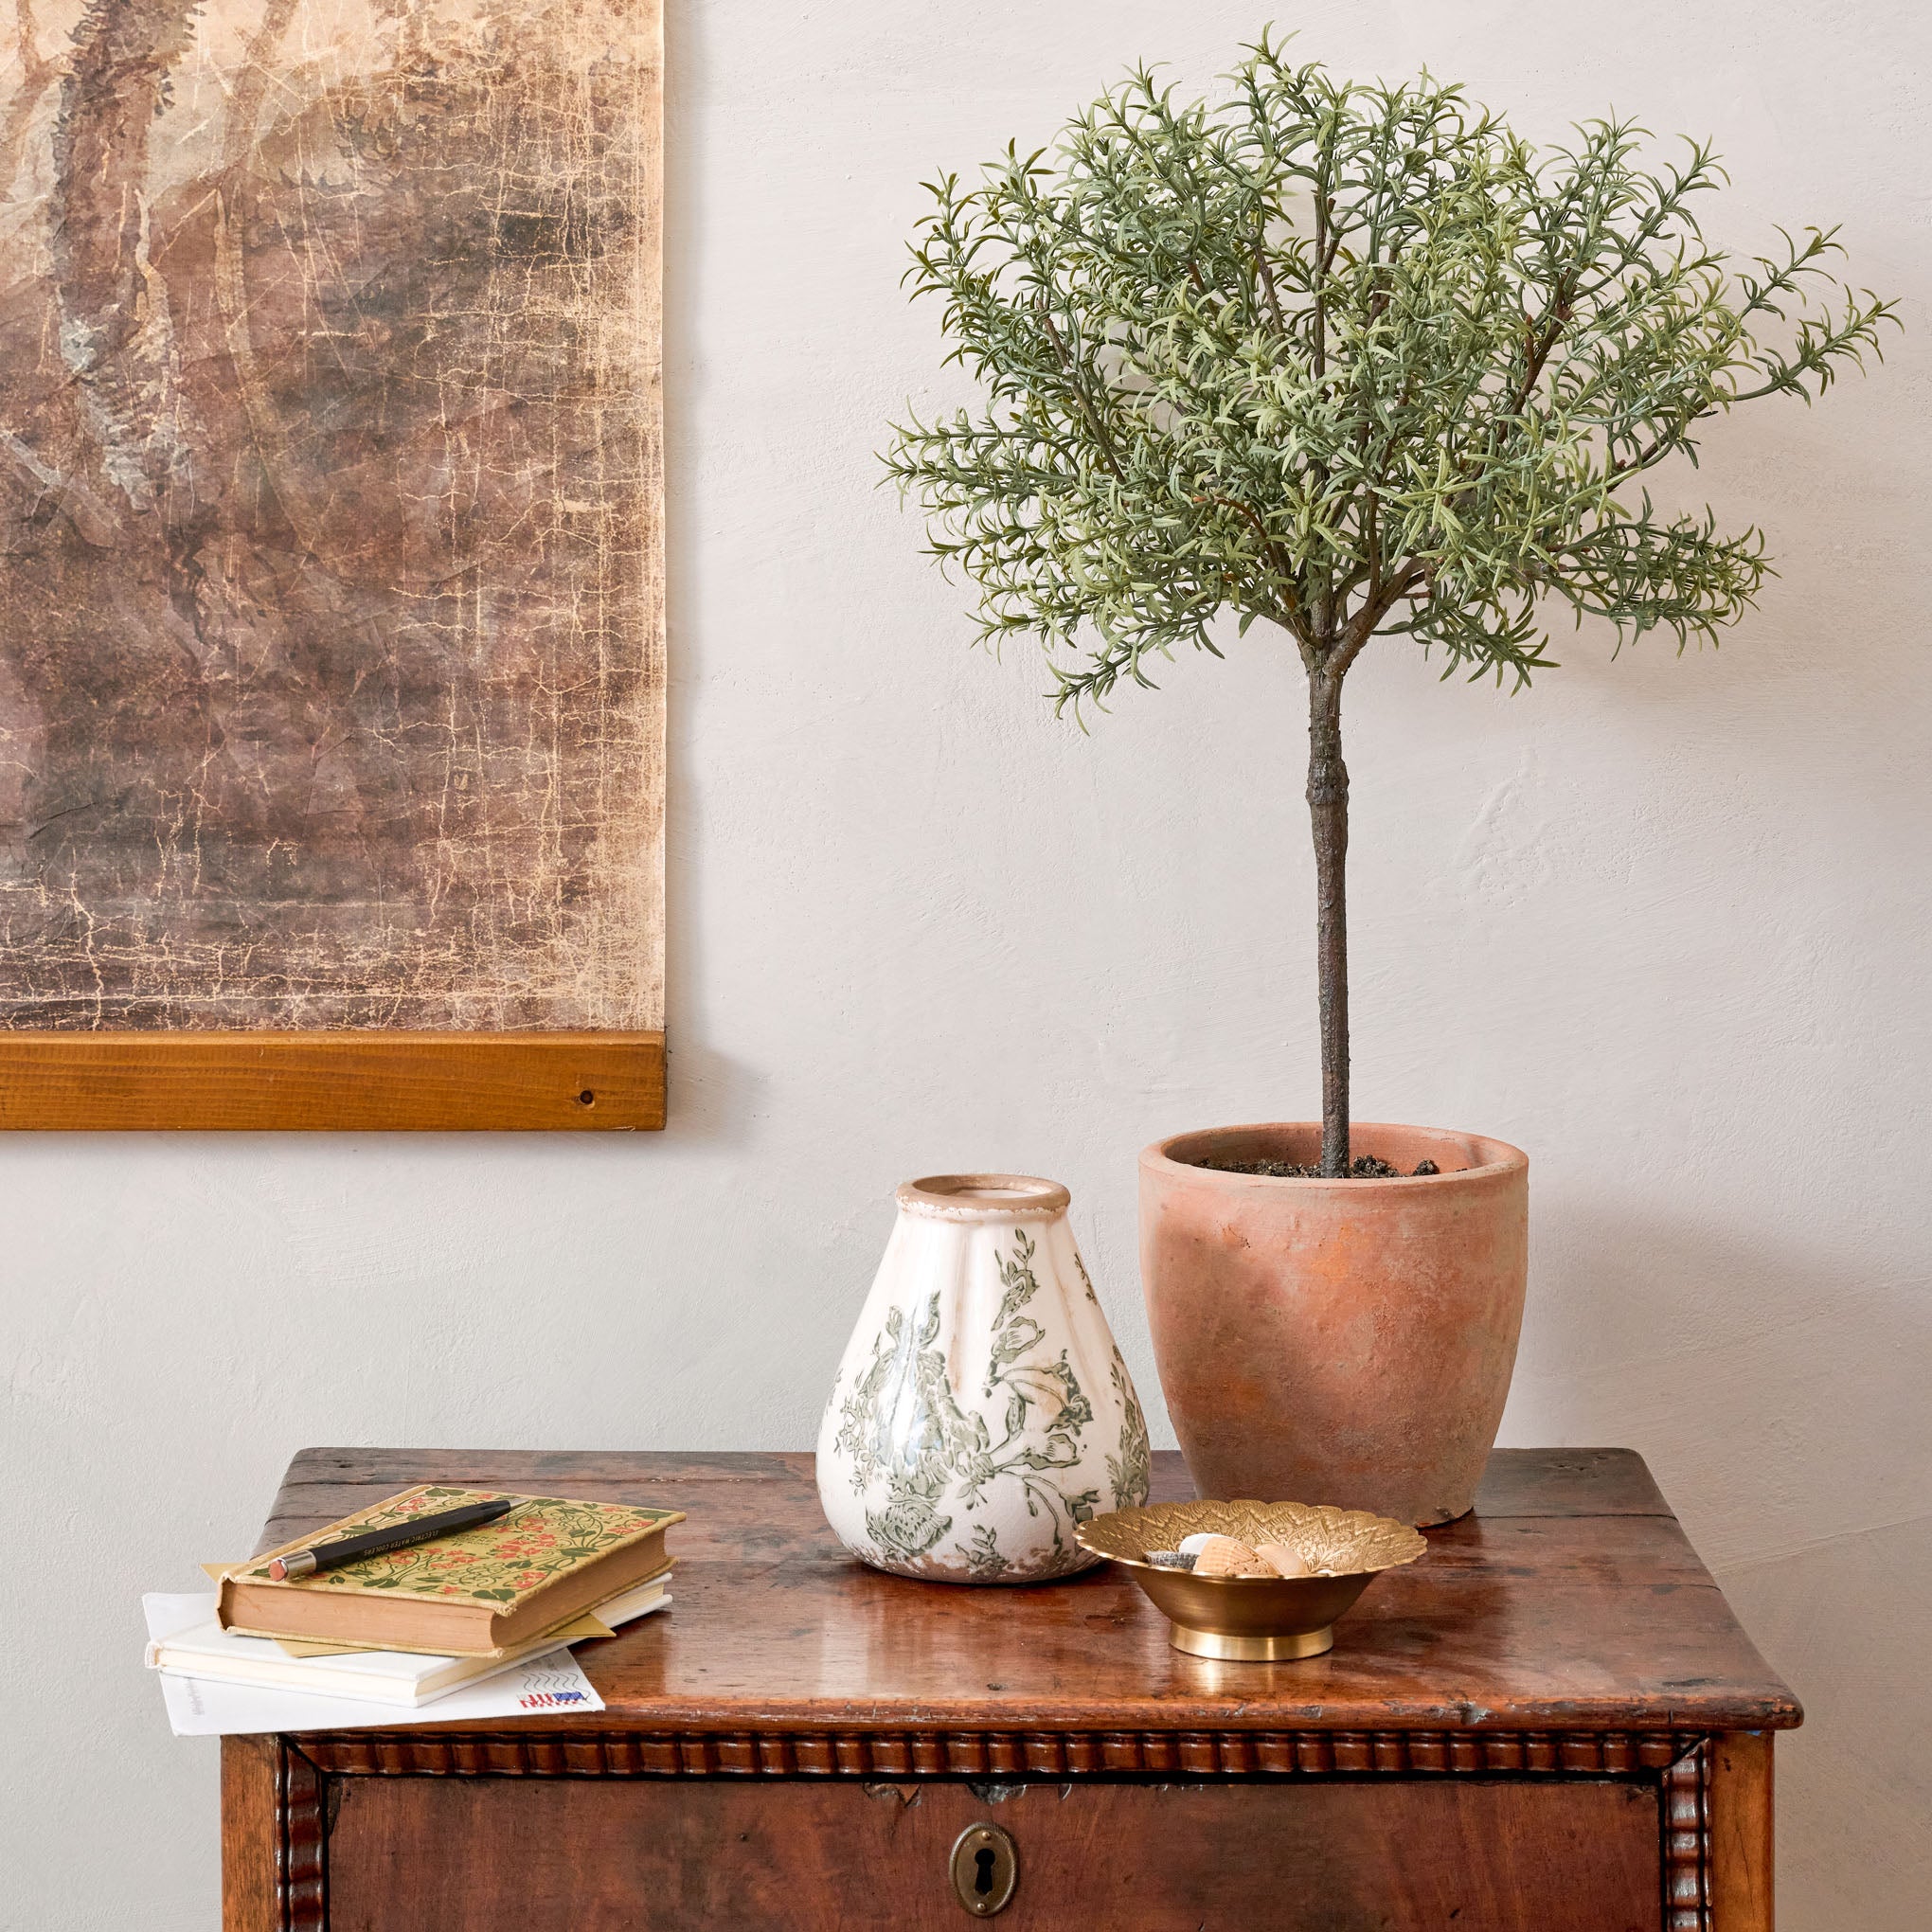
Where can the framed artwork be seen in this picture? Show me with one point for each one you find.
(331, 665)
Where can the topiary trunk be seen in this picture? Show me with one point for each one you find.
(1328, 810)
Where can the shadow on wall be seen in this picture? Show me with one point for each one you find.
(1778, 1392)
(711, 1097)
(1850, 1618)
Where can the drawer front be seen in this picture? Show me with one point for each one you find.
(470, 1854)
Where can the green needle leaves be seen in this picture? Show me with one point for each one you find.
(1352, 359)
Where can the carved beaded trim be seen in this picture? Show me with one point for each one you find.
(989, 1754)
(1681, 1761)
(301, 1852)
(1685, 1799)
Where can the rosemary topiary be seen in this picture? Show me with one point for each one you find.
(1354, 360)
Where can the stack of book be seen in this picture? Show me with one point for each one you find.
(405, 1625)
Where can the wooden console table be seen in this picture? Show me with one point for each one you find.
(1551, 1721)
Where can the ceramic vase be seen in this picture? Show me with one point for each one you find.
(1344, 1341)
(982, 1409)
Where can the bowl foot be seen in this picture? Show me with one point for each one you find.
(1252, 1649)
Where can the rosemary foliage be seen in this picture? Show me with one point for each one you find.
(1350, 358)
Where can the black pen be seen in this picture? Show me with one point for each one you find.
(305, 1562)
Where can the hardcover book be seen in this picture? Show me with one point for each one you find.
(411, 1678)
(481, 1590)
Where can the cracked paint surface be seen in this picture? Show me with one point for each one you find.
(331, 604)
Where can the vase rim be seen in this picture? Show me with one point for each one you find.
(1480, 1155)
(984, 1197)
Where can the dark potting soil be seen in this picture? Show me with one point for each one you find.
(1365, 1166)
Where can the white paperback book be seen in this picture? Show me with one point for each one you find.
(200, 1707)
(212, 1654)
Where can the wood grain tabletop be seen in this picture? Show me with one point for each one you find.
(1569, 1600)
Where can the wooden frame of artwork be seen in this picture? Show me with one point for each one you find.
(332, 1080)
(332, 663)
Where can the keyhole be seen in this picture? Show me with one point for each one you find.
(985, 1868)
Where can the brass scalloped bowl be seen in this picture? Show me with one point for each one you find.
(1255, 1619)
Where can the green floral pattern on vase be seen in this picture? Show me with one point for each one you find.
(983, 1410)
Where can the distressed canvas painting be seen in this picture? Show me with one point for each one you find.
(331, 672)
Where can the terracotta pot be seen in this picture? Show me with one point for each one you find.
(1346, 1342)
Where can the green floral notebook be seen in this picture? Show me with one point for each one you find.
(481, 1590)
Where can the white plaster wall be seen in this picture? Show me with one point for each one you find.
(1661, 922)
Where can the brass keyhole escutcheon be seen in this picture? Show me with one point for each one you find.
(986, 1869)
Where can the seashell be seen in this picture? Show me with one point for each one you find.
(1171, 1558)
(1194, 1545)
(1226, 1556)
(1283, 1559)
